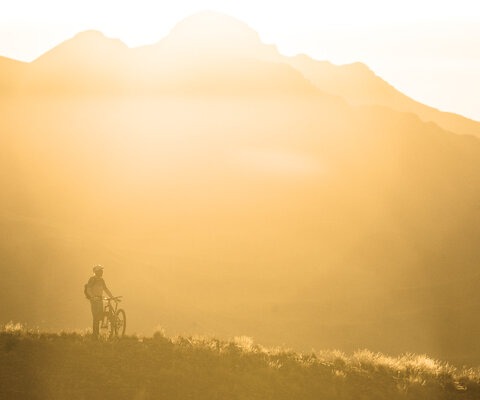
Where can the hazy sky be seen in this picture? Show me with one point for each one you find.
(428, 49)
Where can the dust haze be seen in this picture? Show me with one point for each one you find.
(229, 190)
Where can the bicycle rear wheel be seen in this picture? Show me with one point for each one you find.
(120, 323)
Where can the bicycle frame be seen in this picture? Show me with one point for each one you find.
(108, 309)
(110, 320)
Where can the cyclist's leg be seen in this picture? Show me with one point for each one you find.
(97, 315)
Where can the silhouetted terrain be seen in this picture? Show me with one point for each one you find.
(227, 193)
(357, 84)
(43, 365)
(207, 53)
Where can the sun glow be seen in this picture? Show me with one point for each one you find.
(144, 21)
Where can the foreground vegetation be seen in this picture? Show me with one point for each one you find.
(35, 365)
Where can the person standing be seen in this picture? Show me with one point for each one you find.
(94, 290)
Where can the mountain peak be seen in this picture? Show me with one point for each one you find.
(213, 32)
(95, 40)
(90, 35)
(87, 44)
(208, 24)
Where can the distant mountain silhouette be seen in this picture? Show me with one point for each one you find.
(187, 61)
(360, 86)
(231, 190)
(227, 54)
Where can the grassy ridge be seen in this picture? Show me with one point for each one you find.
(36, 365)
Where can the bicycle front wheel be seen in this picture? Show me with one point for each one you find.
(120, 323)
(107, 327)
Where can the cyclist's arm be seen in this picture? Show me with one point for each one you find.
(107, 291)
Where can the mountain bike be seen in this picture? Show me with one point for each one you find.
(114, 321)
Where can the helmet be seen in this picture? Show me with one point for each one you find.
(97, 267)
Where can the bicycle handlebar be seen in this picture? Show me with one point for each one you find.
(117, 298)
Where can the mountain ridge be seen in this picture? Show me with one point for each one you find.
(210, 36)
(370, 89)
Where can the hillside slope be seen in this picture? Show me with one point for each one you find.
(42, 365)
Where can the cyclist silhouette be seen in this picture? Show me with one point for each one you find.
(95, 288)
